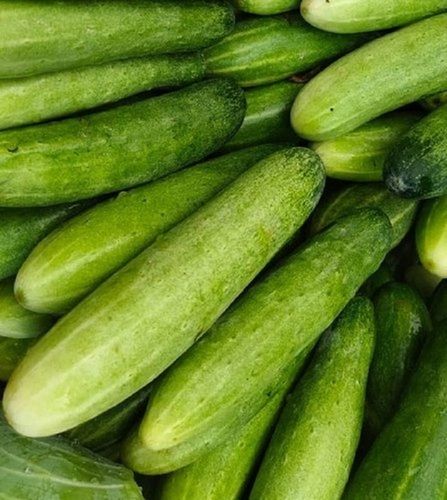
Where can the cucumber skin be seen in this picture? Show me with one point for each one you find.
(416, 166)
(73, 34)
(38, 98)
(269, 49)
(176, 288)
(12, 351)
(342, 98)
(128, 145)
(266, 7)
(422, 280)
(403, 463)
(359, 16)
(322, 420)
(359, 155)
(261, 335)
(438, 306)
(78, 256)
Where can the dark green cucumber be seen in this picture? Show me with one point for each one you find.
(266, 50)
(438, 306)
(320, 426)
(409, 458)
(12, 351)
(71, 34)
(266, 7)
(422, 280)
(433, 102)
(118, 148)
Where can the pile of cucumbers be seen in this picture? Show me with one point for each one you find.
(223, 249)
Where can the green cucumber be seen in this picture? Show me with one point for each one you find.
(422, 280)
(75, 258)
(266, 7)
(150, 312)
(268, 116)
(12, 351)
(359, 155)
(434, 101)
(223, 381)
(67, 34)
(416, 166)
(438, 306)
(409, 458)
(383, 275)
(269, 49)
(321, 423)
(358, 16)
(400, 212)
(407, 64)
(110, 150)
(39, 98)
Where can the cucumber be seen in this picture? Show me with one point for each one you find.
(67, 34)
(12, 351)
(431, 236)
(266, 7)
(407, 64)
(422, 280)
(416, 166)
(166, 297)
(75, 258)
(438, 307)
(118, 148)
(409, 458)
(53, 468)
(434, 101)
(268, 116)
(39, 98)
(223, 381)
(400, 212)
(354, 16)
(269, 49)
(322, 420)
(383, 275)
(359, 155)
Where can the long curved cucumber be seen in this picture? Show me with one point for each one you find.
(438, 306)
(266, 7)
(321, 422)
(67, 34)
(433, 102)
(75, 258)
(51, 95)
(358, 16)
(267, 50)
(407, 64)
(118, 148)
(409, 458)
(150, 312)
(12, 351)
(359, 155)
(232, 370)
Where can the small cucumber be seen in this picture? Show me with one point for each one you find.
(434, 101)
(321, 422)
(438, 307)
(67, 34)
(407, 64)
(359, 155)
(150, 312)
(266, 50)
(110, 150)
(266, 7)
(409, 458)
(12, 351)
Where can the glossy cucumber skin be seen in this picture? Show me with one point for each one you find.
(434, 101)
(359, 155)
(38, 98)
(416, 166)
(438, 306)
(321, 422)
(69, 34)
(262, 334)
(266, 7)
(400, 212)
(12, 351)
(78, 256)
(269, 49)
(409, 458)
(147, 314)
(340, 16)
(407, 64)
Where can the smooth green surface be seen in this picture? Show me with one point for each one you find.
(438, 306)
(266, 7)
(385, 74)
(12, 352)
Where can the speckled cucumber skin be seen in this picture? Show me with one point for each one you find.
(70, 34)
(320, 426)
(12, 351)
(150, 312)
(118, 148)
(438, 305)
(407, 64)
(409, 458)
(75, 258)
(266, 7)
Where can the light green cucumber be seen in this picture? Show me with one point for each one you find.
(75, 258)
(150, 312)
(266, 7)
(269, 49)
(359, 155)
(39, 37)
(12, 352)
(432, 102)
(39, 98)
(422, 280)
(320, 425)
(407, 64)
(438, 306)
